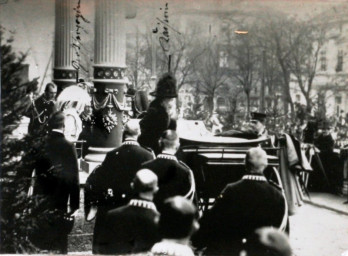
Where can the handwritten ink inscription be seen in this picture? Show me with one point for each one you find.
(164, 36)
(79, 20)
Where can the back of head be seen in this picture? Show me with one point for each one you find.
(132, 128)
(57, 120)
(178, 218)
(268, 242)
(145, 181)
(256, 160)
(50, 86)
(169, 139)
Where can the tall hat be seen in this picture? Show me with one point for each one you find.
(166, 87)
(258, 116)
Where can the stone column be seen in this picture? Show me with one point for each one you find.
(63, 72)
(109, 77)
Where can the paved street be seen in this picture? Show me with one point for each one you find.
(319, 232)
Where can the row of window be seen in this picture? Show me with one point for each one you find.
(338, 99)
(323, 61)
(223, 60)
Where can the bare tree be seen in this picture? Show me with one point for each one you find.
(305, 57)
(246, 60)
(138, 52)
(210, 76)
(184, 55)
(283, 36)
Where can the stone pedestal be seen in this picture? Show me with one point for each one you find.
(109, 78)
(63, 72)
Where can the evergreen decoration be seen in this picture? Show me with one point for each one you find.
(18, 212)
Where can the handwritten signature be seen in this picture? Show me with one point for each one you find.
(79, 19)
(164, 37)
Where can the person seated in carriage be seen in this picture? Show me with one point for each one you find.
(253, 129)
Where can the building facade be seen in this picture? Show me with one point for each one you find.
(330, 84)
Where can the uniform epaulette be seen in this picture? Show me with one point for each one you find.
(271, 182)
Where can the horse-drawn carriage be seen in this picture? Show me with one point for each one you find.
(217, 161)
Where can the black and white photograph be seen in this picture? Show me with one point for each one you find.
(174, 127)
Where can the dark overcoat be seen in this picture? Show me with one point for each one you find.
(174, 177)
(153, 124)
(58, 182)
(241, 208)
(131, 228)
(109, 186)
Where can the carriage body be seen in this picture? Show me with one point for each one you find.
(218, 161)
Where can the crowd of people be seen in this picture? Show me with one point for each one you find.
(143, 198)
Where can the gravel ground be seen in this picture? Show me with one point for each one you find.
(314, 232)
(319, 232)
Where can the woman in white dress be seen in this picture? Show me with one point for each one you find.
(72, 101)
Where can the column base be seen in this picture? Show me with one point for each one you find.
(94, 158)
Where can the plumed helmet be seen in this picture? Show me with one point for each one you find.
(166, 87)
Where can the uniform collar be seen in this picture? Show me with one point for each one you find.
(85, 117)
(167, 156)
(130, 142)
(171, 248)
(45, 101)
(254, 177)
(143, 204)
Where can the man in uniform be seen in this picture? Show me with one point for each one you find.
(108, 187)
(241, 208)
(174, 177)
(253, 129)
(133, 228)
(178, 222)
(88, 122)
(41, 110)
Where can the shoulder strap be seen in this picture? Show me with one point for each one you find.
(185, 165)
(271, 182)
(191, 193)
(150, 150)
